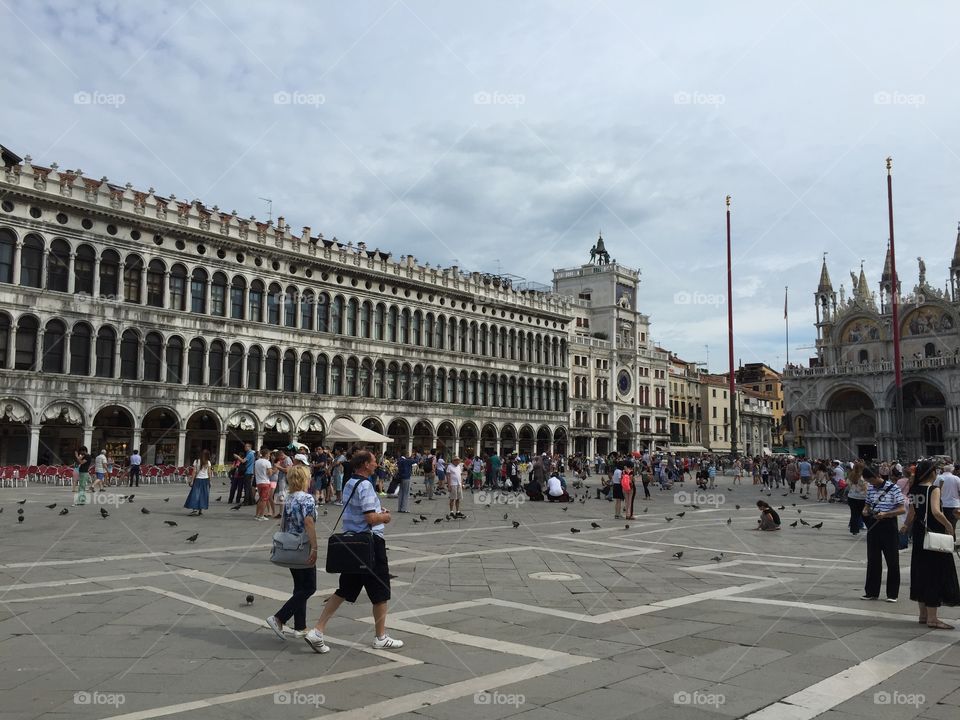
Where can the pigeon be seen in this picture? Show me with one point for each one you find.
(678, 554)
(803, 522)
(799, 511)
(646, 509)
(1, 510)
(219, 499)
(793, 524)
(595, 526)
(51, 507)
(144, 511)
(416, 522)
(235, 507)
(249, 599)
(717, 558)
(729, 520)
(785, 494)
(669, 519)
(681, 514)
(737, 507)
(818, 525)
(130, 498)
(793, 504)
(20, 519)
(63, 512)
(19, 511)
(21, 502)
(505, 516)
(423, 518)
(564, 509)
(781, 508)
(416, 502)
(104, 513)
(626, 527)
(171, 523)
(695, 507)
(515, 524)
(166, 499)
(574, 530)
(438, 521)
(193, 538)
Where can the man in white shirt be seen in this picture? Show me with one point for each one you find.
(135, 462)
(455, 487)
(555, 491)
(100, 468)
(949, 485)
(263, 468)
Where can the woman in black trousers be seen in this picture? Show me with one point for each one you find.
(299, 515)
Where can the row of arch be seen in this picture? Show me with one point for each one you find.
(60, 268)
(80, 350)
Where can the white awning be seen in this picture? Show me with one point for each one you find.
(343, 430)
(688, 449)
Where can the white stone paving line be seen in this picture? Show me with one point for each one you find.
(521, 548)
(82, 581)
(134, 556)
(825, 695)
(840, 609)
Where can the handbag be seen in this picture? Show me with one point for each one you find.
(869, 520)
(350, 552)
(290, 550)
(936, 542)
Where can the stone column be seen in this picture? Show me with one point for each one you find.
(17, 253)
(181, 448)
(166, 290)
(143, 285)
(34, 445)
(44, 267)
(208, 290)
(163, 362)
(12, 347)
(136, 438)
(93, 355)
(222, 449)
(88, 437)
(205, 370)
(116, 358)
(38, 350)
(66, 364)
(96, 277)
(259, 442)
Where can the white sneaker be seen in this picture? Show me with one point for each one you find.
(315, 641)
(296, 633)
(275, 625)
(387, 643)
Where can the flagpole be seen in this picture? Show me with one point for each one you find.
(732, 384)
(895, 292)
(786, 321)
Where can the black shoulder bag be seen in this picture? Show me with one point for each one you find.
(350, 552)
(870, 518)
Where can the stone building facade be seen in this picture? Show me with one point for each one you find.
(844, 404)
(133, 320)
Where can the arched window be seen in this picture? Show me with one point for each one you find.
(416, 329)
(132, 276)
(289, 371)
(461, 388)
(929, 350)
(863, 356)
(323, 313)
(218, 295)
(350, 376)
(198, 291)
(273, 304)
(392, 371)
(235, 366)
(405, 326)
(452, 329)
(106, 345)
(290, 307)
(53, 350)
(215, 363)
(254, 361)
(83, 265)
(336, 376)
(307, 303)
(417, 383)
(178, 288)
(463, 336)
(155, 272)
(379, 320)
(31, 262)
(174, 360)
(273, 369)
(80, 338)
(152, 355)
(306, 370)
(482, 345)
(195, 362)
(392, 322)
(110, 274)
(256, 301)
(237, 288)
(322, 367)
(366, 378)
(352, 311)
(26, 356)
(428, 330)
(129, 355)
(8, 244)
(58, 266)
(366, 317)
(379, 380)
(439, 332)
(336, 316)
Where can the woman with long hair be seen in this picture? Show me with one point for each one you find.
(933, 575)
(856, 496)
(198, 499)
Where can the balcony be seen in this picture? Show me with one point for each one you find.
(880, 366)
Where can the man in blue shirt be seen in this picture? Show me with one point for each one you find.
(362, 513)
(884, 503)
(245, 493)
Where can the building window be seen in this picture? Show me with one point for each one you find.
(58, 266)
(82, 270)
(106, 341)
(53, 347)
(178, 288)
(215, 363)
(80, 350)
(198, 291)
(273, 305)
(218, 295)
(290, 307)
(8, 243)
(132, 275)
(237, 287)
(175, 360)
(110, 274)
(31, 262)
(235, 366)
(129, 355)
(155, 274)
(152, 355)
(256, 301)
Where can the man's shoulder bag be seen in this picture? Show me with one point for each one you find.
(350, 552)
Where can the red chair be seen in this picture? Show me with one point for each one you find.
(33, 473)
(151, 474)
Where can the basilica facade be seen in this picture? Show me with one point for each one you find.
(845, 404)
(130, 320)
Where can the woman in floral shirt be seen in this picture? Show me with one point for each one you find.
(299, 515)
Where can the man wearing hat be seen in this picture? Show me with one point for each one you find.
(884, 503)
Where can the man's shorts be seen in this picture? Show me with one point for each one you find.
(263, 490)
(100, 476)
(456, 492)
(618, 492)
(805, 480)
(376, 582)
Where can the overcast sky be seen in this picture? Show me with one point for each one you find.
(501, 136)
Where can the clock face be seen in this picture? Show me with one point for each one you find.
(623, 382)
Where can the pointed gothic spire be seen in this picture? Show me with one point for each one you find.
(863, 292)
(887, 276)
(956, 251)
(825, 285)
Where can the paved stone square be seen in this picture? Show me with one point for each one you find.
(122, 617)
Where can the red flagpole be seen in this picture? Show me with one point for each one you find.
(895, 292)
(733, 391)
